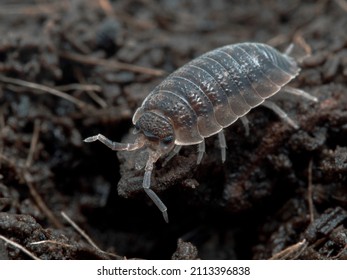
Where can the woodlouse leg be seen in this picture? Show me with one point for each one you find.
(201, 151)
(222, 144)
(245, 123)
(174, 152)
(153, 196)
(148, 170)
(300, 93)
(289, 49)
(283, 115)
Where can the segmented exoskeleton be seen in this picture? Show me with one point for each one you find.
(203, 97)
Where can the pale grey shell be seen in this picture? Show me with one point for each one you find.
(214, 90)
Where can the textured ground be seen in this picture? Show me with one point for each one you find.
(71, 69)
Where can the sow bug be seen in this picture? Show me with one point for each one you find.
(203, 97)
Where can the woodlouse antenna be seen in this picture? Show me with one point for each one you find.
(116, 146)
(152, 158)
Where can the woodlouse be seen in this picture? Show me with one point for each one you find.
(204, 96)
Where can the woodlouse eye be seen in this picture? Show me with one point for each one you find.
(136, 130)
(167, 140)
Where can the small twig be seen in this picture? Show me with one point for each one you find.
(278, 40)
(310, 192)
(20, 247)
(39, 201)
(106, 7)
(90, 89)
(30, 10)
(2, 126)
(33, 143)
(51, 242)
(341, 252)
(78, 45)
(22, 171)
(84, 234)
(92, 94)
(342, 4)
(43, 88)
(7, 160)
(299, 39)
(79, 230)
(297, 249)
(111, 64)
(82, 87)
(97, 99)
(28, 179)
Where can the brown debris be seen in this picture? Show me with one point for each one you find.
(185, 251)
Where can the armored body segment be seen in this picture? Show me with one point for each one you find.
(182, 116)
(235, 65)
(214, 92)
(197, 100)
(260, 82)
(215, 89)
(237, 103)
(269, 64)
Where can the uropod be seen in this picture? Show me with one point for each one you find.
(205, 96)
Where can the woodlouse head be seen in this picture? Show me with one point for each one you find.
(158, 133)
(155, 134)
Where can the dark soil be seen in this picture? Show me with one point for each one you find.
(72, 69)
